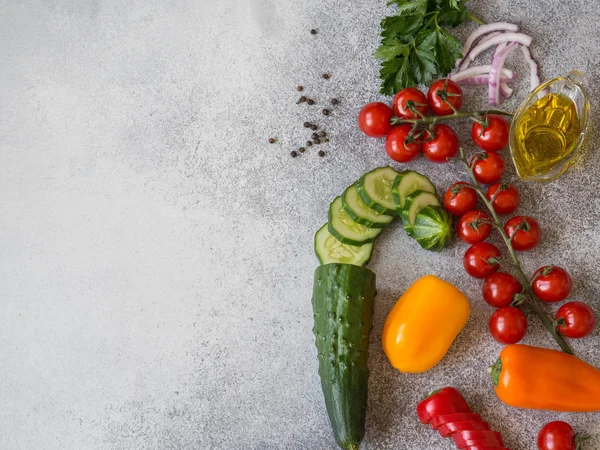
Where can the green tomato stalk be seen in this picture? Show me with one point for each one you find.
(528, 297)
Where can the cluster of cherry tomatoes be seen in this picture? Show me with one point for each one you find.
(438, 142)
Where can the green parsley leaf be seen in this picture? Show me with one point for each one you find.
(447, 50)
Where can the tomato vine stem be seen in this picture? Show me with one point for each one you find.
(534, 302)
(457, 115)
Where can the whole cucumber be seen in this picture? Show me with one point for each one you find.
(343, 302)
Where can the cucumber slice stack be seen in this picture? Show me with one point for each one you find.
(359, 215)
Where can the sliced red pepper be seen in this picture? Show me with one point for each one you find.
(479, 447)
(438, 421)
(444, 401)
(450, 428)
(468, 438)
(479, 443)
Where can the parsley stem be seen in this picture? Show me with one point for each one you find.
(475, 19)
(457, 115)
(533, 301)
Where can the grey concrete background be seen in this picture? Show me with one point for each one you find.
(156, 253)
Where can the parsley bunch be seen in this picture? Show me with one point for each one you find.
(415, 47)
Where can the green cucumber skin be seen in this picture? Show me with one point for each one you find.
(370, 202)
(343, 304)
(433, 228)
(406, 210)
(362, 220)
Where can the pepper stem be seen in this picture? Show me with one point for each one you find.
(494, 370)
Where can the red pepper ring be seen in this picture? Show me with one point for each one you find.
(485, 447)
(472, 438)
(440, 420)
(444, 401)
(450, 428)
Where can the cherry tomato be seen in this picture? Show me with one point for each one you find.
(400, 146)
(460, 198)
(474, 227)
(575, 319)
(524, 231)
(442, 146)
(488, 168)
(508, 325)
(499, 289)
(494, 137)
(557, 435)
(551, 284)
(481, 259)
(448, 90)
(507, 200)
(413, 95)
(374, 119)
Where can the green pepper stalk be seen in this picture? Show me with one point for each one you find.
(533, 302)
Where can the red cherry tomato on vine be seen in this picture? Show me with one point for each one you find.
(551, 284)
(460, 198)
(414, 96)
(557, 435)
(499, 289)
(474, 227)
(400, 146)
(508, 325)
(507, 200)
(443, 92)
(442, 146)
(481, 259)
(494, 137)
(575, 319)
(374, 119)
(488, 168)
(525, 232)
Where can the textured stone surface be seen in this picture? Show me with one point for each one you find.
(156, 252)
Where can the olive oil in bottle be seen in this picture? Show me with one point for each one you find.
(545, 134)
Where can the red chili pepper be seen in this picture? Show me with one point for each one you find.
(444, 401)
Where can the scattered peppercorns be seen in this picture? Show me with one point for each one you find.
(321, 153)
(314, 135)
(326, 76)
(314, 127)
(272, 140)
(313, 31)
(302, 99)
(323, 133)
(301, 149)
(308, 143)
(300, 88)
(310, 101)
(293, 153)
(307, 125)
(317, 140)
(335, 101)
(326, 112)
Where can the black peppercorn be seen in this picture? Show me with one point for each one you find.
(321, 153)
(325, 112)
(301, 100)
(326, 76)
(272, 140)
(293, 153)
(300, 88)
(308, 143)
(323, 133)
(310, 101)
(314, 127)
(301, 149)
(317, 140)
(313, 31)
(314, 135)
(307, 125)
(335, 101)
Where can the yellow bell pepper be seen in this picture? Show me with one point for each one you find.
(423, 323)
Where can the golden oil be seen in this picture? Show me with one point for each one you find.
(545, 134)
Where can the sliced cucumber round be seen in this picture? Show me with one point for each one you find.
(330, 250)
(415, 202)
(375, 189)
(345, 229)
(359, 212)
(406, 183)
(433, 228)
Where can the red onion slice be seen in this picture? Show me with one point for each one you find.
(485, 29)
(534, 68)
(520, 38)
(478, 71)
(497, 63)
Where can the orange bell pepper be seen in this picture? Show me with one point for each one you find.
(539, 378)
